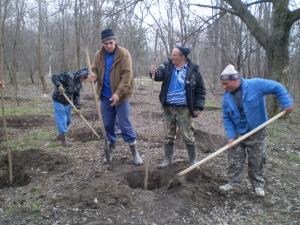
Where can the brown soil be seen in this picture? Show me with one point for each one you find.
(27, 121)
(56, 185)
(28, 164)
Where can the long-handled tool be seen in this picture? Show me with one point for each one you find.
(147, 165)
(81, 116)
(175, 181)
(98, 109)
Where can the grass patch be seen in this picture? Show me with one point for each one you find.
(35, 208)
(294, 157)
(26, 111)
(31, 139)
(34, 106)
(212, 105)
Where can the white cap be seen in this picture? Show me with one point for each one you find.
(229, 73)
(229, 70)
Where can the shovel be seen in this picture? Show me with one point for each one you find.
(176, 180)
(98, 110)
(81, 116)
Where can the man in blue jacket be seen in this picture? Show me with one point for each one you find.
(244, 108)
(70, 84)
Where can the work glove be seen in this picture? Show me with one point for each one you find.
(61, 89)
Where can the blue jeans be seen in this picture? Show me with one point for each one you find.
(62, 117)
(109, 114)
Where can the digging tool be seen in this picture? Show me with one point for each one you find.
(175, 181)
(98, 110)
(81, 116)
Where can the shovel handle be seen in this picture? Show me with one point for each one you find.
(88, 62)
(226, 147)
(81, 116)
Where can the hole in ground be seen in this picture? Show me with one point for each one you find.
(156, 179)
(29, 163)
(135, 180)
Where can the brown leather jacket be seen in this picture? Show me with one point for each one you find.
(121, 75)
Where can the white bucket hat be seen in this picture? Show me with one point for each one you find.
(230, 73)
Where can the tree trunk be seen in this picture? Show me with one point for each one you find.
(278, 68)
(77, 33)
(40, 48)
(3, 15)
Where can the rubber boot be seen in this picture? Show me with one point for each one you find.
(64, 141)
(109, 154)
(137, 159)
(191, 149)
(168, 156)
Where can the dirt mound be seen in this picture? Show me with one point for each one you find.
(97, 194)
(85, 134)
(29, 163)
(28, 121)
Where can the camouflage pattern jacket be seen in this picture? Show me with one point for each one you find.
(72, 85)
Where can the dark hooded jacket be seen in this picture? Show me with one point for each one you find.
(194, 85)
(72, 85)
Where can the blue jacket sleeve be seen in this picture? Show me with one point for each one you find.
(277, 89)
(228, 124)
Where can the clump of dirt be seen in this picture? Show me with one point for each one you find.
(27, 121)
(29, 163)
(85, 134)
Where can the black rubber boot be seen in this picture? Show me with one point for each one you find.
(191, 149)
(168, 156)
(137, 159)
(64, 141)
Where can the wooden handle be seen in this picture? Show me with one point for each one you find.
(187, 170)
(76, 110)
(98, 110)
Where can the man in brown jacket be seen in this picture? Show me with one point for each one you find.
(112, 68)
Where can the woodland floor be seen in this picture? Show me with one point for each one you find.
(56, 185)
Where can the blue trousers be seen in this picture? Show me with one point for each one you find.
(62, 117)
(122, 111)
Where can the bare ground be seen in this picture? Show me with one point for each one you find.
(56, 185)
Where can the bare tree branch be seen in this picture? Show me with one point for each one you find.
(294, 16)
(254, 26)
(216, 7)
(258, 2)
